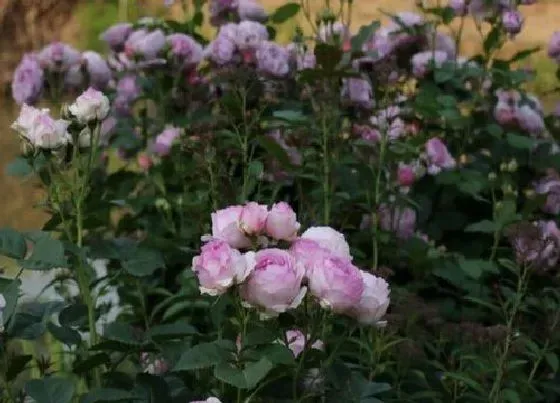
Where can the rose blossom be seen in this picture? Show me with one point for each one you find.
(97, 68)
(164, 141)
(92, 105)
(27, 82)
(554, 46)
(402, 221)
(145, 161)
(336, 283)
(307, 252)
(225, 226)
(26, 118)
(529, 119)
(358, 91)
(44, 132)
(58, 56)
(221, 50)
(438, 156)
(144, 43)
(281, 222)
(297, 341)
(374, 301)
(116, 36)
(275, 282)
(329, 239)
(406, 175)
(218, 267)
(185, 49)
(550, 186)
(252, 219)
(251, 10)
(249, 34)
(422, 62)
(512, 21)
(272, 59)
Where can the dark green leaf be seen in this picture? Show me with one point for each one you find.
(73, 315)
(47, 253)
(122, 333)
(16, 365)
(202, 356)
(284, 13)
(19, 168)
(64, 334)
(484, 226)
(143, 262)
(521, 142)
(50, 390)
(12, 244)
(171, 331)
(103, 395)
(247, 378)
(86, 365)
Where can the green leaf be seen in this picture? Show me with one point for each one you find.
(73, 315)
(523, 54)
(64, 334)
(84, 366)
(521, 142)
(19, 167)
(510, 395)
(365, 32)
(475, 267)
(278, 354)
(493, 38)
(16, 365)
(47, 253)
(259, 336)
(484, 226)
(247, 378)
(143, 262)
(10, 290)
(12, 244)
(122, 333)
(203, 355)
(284, 13)
(102, 395)
(552, 360)
(171, 331)
(50, 390)
(255, 169)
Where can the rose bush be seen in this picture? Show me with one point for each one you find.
(355, 216)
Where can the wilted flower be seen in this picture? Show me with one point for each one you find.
(374, 300)
(281, 222)
(438, 156)
(218, 267)
(152, 364)
(329, 239)
(91, 106)
(116, 36)
(297, 342)
(27, 82)
(225, 226)
(275, 282)
(336, 283)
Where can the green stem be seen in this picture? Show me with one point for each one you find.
(376, 201)
(326, 168)
(494, 396)
(497, 232)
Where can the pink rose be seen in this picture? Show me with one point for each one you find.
(329, 239)
(438, 156)
(145, 161)
(297, 342)
(275, 282)
(306, 252)
(406, 175)
(554, 46)
(336, 283)
(218, 267)
(550, 186)
(225, 226)
(402, 221)
(253, 218)
(374, 301)
(281, 222)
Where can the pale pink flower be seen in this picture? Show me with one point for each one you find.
(438, 156)
(225, 226)
(374, 300)
(281, 222)
(27, 82)
(329, 239)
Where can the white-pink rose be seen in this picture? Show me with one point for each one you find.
(218, 267)
(92, 105)
(306, 251)
(329, 239)
(281, 222)
(374, 301)
(275, 282)
(225, 226)
(336, 283)
(252, 219)
(438, 156)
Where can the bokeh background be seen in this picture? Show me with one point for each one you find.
(26, 25)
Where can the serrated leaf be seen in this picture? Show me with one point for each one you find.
(484, 226)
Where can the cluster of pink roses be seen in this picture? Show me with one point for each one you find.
(514, 110)
(275, 280)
